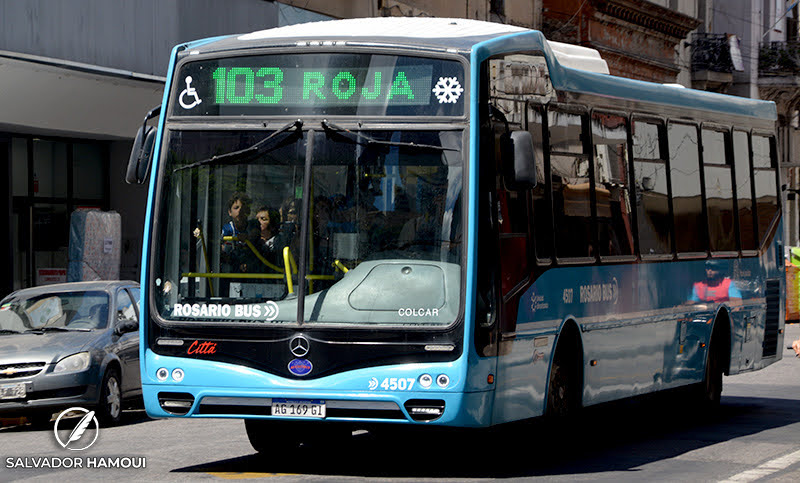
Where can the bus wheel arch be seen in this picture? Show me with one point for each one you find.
(565, 379)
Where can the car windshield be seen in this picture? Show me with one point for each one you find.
(366, 225)
(70, 310)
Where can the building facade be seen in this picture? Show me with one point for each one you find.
(77, 78)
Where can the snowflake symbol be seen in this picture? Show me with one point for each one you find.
(448, 90)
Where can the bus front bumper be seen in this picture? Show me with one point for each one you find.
(431, 394)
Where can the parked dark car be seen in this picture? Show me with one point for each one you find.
(66, 345)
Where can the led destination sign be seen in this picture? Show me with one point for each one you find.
(316, 83)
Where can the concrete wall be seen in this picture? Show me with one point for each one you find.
(130, 35)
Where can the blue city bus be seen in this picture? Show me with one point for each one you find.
(445, 222)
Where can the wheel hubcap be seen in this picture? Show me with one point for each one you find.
(113, 400)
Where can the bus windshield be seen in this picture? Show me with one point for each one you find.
(310, 224)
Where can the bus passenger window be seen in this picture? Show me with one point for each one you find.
(614, 220)
(744, 190)
(687, 202)
(765, 183)
(570, 187)
(650, 178)
(541, 211)
(719, 192)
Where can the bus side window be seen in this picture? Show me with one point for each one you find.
(614, 219)
(764, 162)
(542, 214)
(687, 200)
(569, 165)
(744, 190)
(719, 191)
(651, 200)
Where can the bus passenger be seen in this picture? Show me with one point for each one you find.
(289, 232)
(233, 251)
(264, 237)
(715, 287)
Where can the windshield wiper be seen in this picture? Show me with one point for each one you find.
(372, 142)
(59, 329)
(9, 331)
(257, 148)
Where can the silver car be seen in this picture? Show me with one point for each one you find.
(66, 345)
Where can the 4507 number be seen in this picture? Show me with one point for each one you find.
(393, 383)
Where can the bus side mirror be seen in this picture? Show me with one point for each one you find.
(142, 151)
(520, 159)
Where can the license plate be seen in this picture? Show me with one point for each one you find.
(12, 391)
(298, 408)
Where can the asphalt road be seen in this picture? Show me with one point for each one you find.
(755, 435)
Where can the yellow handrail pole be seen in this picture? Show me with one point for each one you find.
(255, 252)
(287, 258)
(311, 237)
(340, 266)
(263, 260)
(251, 276)
(205, 256)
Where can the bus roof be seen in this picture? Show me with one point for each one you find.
(572, 68)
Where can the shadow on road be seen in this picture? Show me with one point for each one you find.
(129, 418)
(614, 437)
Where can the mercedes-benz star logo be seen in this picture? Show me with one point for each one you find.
(299, 346)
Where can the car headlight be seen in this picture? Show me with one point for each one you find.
(73, 363)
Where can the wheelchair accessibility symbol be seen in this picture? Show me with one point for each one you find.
(189, 92)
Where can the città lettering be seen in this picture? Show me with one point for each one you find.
(202, 348)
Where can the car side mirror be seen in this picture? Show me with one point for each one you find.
(142, 151)
(125, 326)
(519, 157)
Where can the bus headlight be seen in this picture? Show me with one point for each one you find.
(177, 375)
(74, 363)
(425, 380)
(162, 374)
(443, 380)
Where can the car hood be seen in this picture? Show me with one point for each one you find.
(47, 347)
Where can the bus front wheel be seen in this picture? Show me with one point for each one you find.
(564, 388)
(709, 391)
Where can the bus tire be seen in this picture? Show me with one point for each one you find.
(709, 391)
(564, 388)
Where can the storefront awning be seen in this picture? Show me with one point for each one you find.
(54, 97)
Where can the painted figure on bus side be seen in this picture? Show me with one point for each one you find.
(715, 287)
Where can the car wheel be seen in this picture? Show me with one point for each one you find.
(109, 408)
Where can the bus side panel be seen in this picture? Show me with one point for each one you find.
(522, 374)
(640, 330)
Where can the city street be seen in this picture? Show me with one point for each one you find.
(754, 435)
